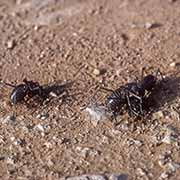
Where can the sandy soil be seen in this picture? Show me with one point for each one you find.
(82, 45)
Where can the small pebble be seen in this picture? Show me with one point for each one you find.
(168, 139)
(48, 145)
(53, 94)
(172, 166)
(8, 119)
(141, 172)
(36, 28)
(163, 160)
(148, 25)
(82, 151)
(39, 127)
(158, 115)
(10, 160)
(96, 72)
(134, 142)
(175, 114)
(164, 175)
(42, 116)
(12, 138)
(10, 44)
(19, 142)
(173, 64)
(86, 151)
(171, 135)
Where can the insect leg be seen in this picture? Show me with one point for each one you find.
(140, 99)
(130, 106)
(159, 72)
(142, 73)
(7, 84)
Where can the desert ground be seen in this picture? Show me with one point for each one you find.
(72, 48)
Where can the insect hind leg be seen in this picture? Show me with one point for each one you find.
(132, 111)
(158, 72)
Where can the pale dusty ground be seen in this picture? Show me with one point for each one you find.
(58, 41)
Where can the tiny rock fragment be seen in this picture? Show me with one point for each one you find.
(158, 115)
(10, 160)
(53, 94)
(83, 151)
(20, 142)
(48, 145)
(36, 28)
(39, 127)
(12, 138)
(172, 166)
(42, 116)
(163, 160)
(175, 113)
(164, 175)
(173, 64)
(171, 135)
(96, 72)
(141, 172)
(10, 44)
(8, 119)
(86, 151)
(148, 25)
(168, 139)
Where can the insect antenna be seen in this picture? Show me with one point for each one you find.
(7, 84)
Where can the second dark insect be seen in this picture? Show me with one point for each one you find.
(132, 95)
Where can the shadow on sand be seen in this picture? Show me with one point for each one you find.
(57, 91)
(164, 94)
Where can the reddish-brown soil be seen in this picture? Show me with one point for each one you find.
(68, 42)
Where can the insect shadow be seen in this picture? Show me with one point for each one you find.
(56, 91)
(163, 94)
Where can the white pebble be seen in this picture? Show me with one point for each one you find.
(10, 44)
(12, 138)
(96, 72)
(39, 127)
(36, 28)
(164, 175)
(173, 64)
(148, 25)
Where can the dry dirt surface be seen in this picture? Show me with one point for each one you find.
(73, 47)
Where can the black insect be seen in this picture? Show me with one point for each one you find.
(26, 89)
(133, 95)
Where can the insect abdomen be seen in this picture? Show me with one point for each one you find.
(18, 94)
(116, 100)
